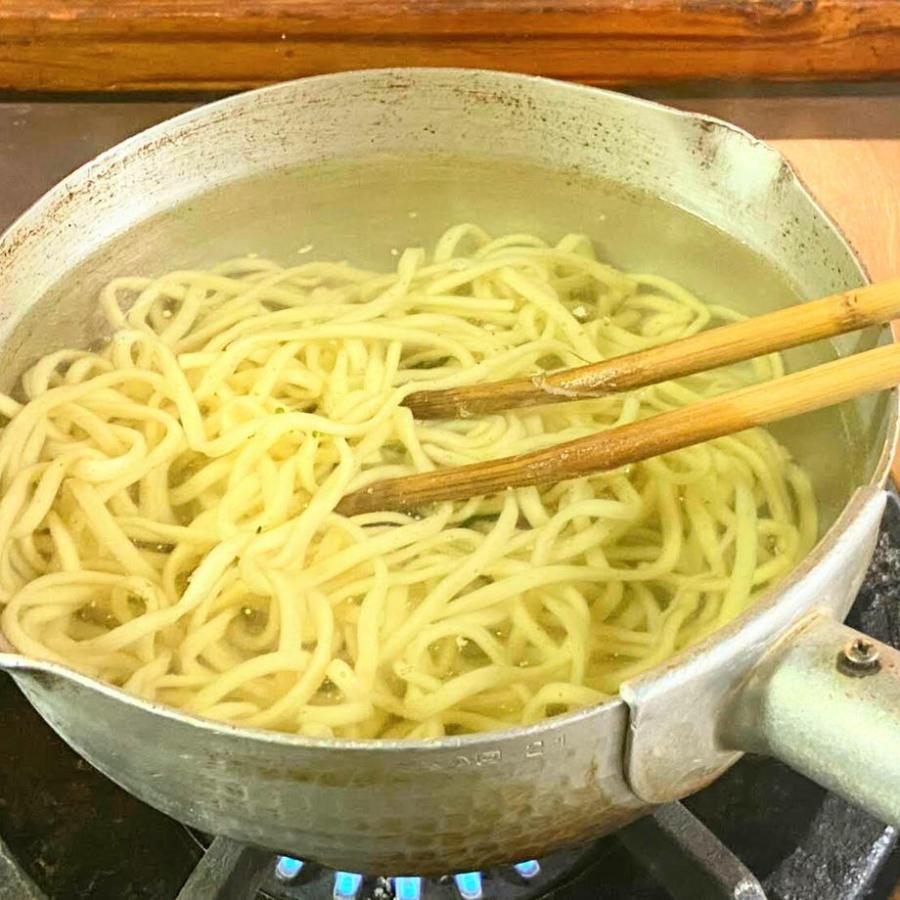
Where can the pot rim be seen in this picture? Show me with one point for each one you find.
(29, 221)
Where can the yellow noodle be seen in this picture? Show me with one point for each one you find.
(167, 521)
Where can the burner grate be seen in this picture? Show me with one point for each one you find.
(285, 878)
(674, 845)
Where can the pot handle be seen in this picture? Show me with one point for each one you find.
(826, 701)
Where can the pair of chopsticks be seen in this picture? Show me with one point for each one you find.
(759, 404)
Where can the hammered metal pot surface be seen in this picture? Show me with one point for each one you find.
(455, 803)
(362, 807)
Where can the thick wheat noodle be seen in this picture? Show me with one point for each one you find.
(167, 521)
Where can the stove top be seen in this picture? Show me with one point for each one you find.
(761, 832)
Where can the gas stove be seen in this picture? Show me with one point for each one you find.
(761, 832)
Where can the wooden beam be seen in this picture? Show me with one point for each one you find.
(162, 45)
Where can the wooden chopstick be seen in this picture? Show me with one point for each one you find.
(789, 327)
(759, 404)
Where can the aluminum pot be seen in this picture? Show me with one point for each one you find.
(370, 158)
